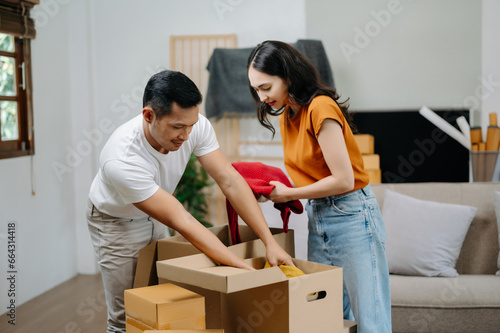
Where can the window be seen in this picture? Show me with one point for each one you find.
(16, 107)
(15, 120)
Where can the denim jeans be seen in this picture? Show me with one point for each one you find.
(117, 242)
(347, 231)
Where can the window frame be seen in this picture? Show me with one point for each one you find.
(24, 145)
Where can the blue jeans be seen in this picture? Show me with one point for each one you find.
(347, 231)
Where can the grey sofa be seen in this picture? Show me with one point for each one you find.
(470, 302)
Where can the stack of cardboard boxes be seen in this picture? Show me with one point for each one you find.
(235, 300)
(163, 307)
(366, 144)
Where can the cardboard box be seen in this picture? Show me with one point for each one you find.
(350, 326)
(145, 271)
(366, 143)
(264, 300)
(177, 246)
(165, 306)
(371, 161)
(249, 249)
(375, 176)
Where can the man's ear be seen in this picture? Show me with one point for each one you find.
(148, 114)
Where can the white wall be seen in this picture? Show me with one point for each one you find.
(91, 61)
(128, 51)
(490, 93)
(46, 252)
(394, 54)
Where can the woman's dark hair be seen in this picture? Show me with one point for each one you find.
(168, 86)
(303, 79)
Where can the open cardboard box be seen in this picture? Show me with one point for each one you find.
(264, 300)
(177, 246)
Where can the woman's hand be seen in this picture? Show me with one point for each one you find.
(277, 256)
(281, 193)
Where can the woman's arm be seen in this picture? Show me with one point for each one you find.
(332, 143)
(236, 189)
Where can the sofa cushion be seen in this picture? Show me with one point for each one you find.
(464, 291)
(479, 253)
(424, 238)
(445, 320)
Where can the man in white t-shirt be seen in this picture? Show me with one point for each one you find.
(130, 199)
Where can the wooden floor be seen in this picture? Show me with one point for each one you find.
(77, 305)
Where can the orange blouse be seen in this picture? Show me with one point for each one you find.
(304, 160)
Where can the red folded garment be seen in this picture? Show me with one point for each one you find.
(258, 176)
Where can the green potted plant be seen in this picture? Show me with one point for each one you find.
(191, 191)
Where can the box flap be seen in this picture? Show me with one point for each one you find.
(199, 270)
(178, 246)
(180, 270)
(220, 231)
(145, 272)
(256, 248)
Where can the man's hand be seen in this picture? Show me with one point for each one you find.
(165, 208)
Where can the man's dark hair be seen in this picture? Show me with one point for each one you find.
(168, 86)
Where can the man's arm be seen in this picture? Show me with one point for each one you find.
(165, 208)
(236, 189)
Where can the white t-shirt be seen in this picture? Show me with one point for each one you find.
(131, 170)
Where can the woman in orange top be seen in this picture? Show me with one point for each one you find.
(322, 159)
